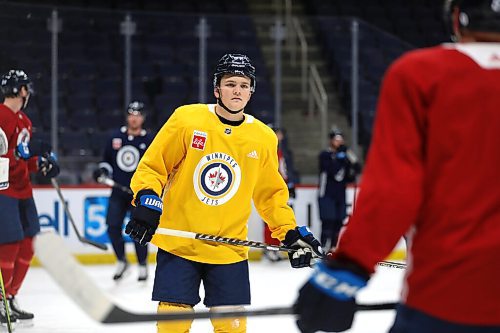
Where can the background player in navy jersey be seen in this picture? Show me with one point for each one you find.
(338, 166)
(426, 178)
(122, 153)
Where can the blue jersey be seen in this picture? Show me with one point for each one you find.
(332, 175)
(123, 152)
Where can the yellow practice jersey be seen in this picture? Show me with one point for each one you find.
(208, 173)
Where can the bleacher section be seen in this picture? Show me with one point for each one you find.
(91, 88)
(387, 28)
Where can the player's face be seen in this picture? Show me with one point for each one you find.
(135, 121)
(337, 141)
(234, 91)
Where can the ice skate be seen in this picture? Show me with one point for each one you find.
(143, 273)
(121, 270)
(24, 318)
(3, 317)
(273, 256)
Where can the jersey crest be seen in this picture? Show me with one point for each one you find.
(23, 136)
(127, 158)
(216, 178)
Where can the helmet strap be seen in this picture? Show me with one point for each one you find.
(25, 101)
(219, 101)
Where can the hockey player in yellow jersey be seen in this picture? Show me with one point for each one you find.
(200, 174)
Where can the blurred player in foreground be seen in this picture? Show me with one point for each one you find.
(432, 174)
(122, 153)
(19, 218)
(204, 167)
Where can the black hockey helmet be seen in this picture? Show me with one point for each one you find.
(474, 15)
(12, 82)
(234, 63)
(136, 108)
(334, 132)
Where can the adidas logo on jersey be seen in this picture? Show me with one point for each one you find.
(253, 154)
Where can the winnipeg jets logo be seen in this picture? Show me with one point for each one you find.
(216, 178)
(23, 136)
(128, 158)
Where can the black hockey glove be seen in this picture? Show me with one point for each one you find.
(48, 166)
(291, 191)
(327, 301)
(145, 217)
(98, 173)
(306, 245)
(341, 153)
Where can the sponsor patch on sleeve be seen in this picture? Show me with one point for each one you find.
(199, 140)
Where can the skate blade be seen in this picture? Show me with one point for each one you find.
(25, 323)
(3, 327)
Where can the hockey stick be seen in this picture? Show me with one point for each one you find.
(66, 209)
(110, 182)
(5, 303)
(65, 270)
(392, 264)
(248, 243)
(219, 239)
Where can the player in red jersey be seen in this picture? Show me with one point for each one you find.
(19, 218)
(431, 174)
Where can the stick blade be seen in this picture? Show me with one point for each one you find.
(69, 275)
(100, 246)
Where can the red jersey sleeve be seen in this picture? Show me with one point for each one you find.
(391, 187)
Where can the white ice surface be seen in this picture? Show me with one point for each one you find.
(273, 284)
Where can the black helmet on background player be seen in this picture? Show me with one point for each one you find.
(474, 15)
(234, 63)
(136, 108)
(12, 82)
(335, 132)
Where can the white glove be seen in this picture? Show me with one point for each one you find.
(4, 173)
(4, 144)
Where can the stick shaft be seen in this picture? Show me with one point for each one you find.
(253, 244)
(119, 315)
(219, 239)
(5, 303)
(392, 264)
(70, 217)
(110, 182)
